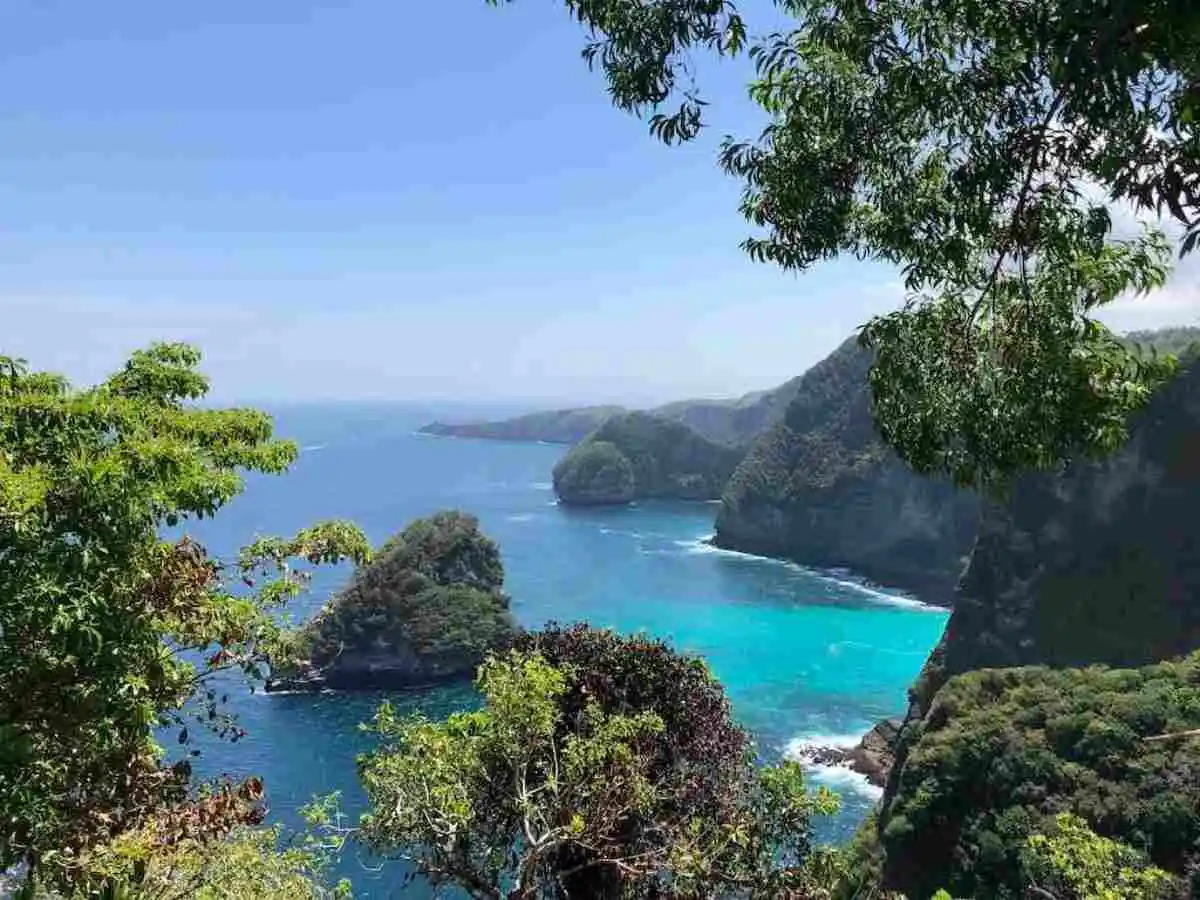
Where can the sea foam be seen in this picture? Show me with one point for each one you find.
(839, 577)
(837, 777)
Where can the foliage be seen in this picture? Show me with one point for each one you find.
(594, 472)
(446, 548)
(158, 861)
(640, 455)
(107, 632)
(1002, 751)
(550, 790)
(976, 146)
(1074, 863)
(432, 594)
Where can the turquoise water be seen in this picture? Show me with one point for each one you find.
(804, 656)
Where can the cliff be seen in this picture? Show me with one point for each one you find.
(638, 455)
(818, 487)
(734, 422)
(1096, 565)
(427, 608)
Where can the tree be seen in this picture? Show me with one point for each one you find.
(562, 785)
(975, 145)
(109, 633)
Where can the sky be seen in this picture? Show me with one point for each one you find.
(373, 199)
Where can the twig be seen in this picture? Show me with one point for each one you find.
(1195, 732)
(1022, 197)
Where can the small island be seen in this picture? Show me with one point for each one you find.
(638, 455)
(427, 609)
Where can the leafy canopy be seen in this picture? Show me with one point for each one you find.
(550, 790)
(975, 145)
(109, 633)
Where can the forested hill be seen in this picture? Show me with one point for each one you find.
(819, 487)
(734, 422)
(636, 456)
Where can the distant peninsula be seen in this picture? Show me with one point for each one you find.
(556, 426)
(733, 422)
(426, 609)
(638, 455)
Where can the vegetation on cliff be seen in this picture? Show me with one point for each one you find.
(595, 472)
(109, 634)
(599, 766)
(640, 456)
(1001, 752)
(822, 488)
(428, 606)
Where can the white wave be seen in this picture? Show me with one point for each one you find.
(838, 777)
(312, 448)
(520, 517)
(542, 486)
(841, 780)
(839, 577)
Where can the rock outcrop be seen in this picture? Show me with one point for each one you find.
(820, 488)
(640, 456)
(427, 609)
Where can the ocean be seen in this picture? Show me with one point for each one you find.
(806, 656)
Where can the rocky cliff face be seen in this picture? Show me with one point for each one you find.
(1098, 565)
(819, 488)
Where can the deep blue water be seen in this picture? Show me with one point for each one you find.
(804, 656)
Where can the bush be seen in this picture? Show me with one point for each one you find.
(1002, 751)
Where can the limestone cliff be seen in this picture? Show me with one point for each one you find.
(1098, 565)
(819, 487)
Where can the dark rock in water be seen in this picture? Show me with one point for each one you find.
(389, 670)
(820, 488)
(872, 757)
(876, 754)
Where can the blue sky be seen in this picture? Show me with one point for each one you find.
(383, 199)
